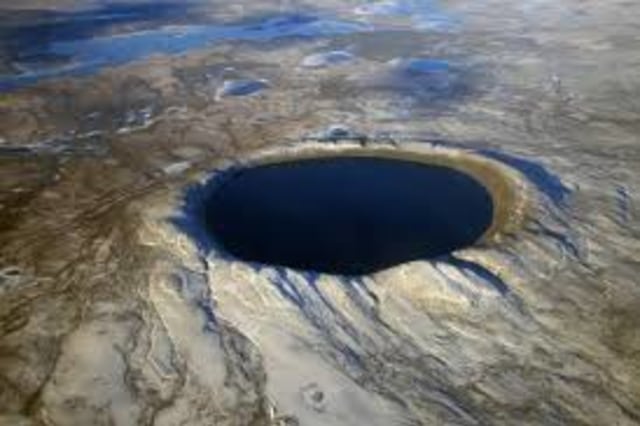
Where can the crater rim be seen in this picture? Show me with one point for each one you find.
(507, 188)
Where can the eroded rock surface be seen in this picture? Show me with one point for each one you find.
(112, 314)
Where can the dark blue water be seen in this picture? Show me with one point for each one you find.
(345, 215)
(32, 30)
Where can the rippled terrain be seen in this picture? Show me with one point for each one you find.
(117, 308)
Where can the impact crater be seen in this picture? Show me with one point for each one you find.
(358, 210)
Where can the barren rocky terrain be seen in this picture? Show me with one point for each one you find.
(113, 113)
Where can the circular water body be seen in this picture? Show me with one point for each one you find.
(347, 215)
